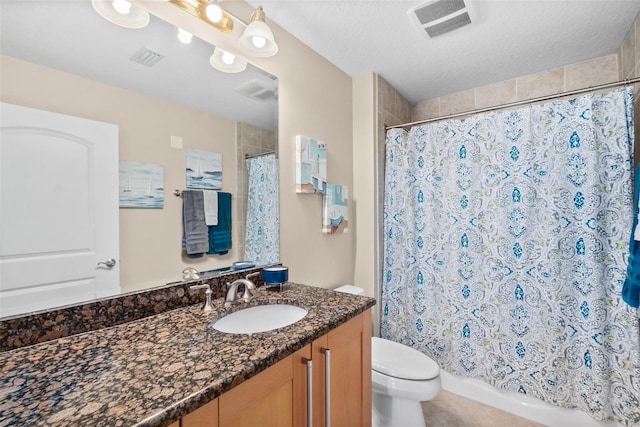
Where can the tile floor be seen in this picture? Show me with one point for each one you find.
(451, 410)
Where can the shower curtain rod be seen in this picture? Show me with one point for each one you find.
(251, 156)
(515, 104)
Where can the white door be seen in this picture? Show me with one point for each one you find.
(58, 210)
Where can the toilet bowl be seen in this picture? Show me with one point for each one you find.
(401, 378)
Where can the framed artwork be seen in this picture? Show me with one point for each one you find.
(311, 165)
(335, 212)
(141, 185)
(204, 169)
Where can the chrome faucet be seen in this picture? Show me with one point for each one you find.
(232, 293)
(207, 292)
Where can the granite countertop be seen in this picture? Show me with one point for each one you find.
(152, 371)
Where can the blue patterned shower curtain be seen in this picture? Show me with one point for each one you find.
(506, 245)
(262, 235)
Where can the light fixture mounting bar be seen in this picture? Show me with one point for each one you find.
(198, 9)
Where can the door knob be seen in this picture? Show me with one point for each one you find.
(108, 263)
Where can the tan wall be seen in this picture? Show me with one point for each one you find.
(376, 104)
(314, 99)
(364, 181)
(150, 239)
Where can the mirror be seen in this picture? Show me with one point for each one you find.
(240, 111)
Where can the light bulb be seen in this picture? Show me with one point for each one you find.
(123, 7)
(258, 41)
(214, 13)
(228, 58)
(184, 36)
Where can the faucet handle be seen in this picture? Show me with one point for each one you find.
(252, 275)
(190, 273)
(207, 292)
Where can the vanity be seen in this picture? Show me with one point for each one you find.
(174, 369)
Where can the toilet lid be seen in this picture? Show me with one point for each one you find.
(400, 361)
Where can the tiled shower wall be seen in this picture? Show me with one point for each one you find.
(575, 76)
(251, 141)
(393, 109)
(629, 65)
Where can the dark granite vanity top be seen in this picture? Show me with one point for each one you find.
(152, 371)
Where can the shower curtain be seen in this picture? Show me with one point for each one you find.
(505, 250)
(262, 235)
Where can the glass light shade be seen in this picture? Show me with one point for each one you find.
(136, 18)
(184, 36)
(214, 13)
(123, 7)
(227, 62)
(258, 40)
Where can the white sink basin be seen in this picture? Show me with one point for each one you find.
(259, 318)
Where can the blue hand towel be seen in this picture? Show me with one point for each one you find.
(195, 237)
(220, 235)
(631, 288)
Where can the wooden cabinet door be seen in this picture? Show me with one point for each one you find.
(345, 344)
(265, 400)
(300, 385)
(205, 416)
(318, 348)
(349, 380)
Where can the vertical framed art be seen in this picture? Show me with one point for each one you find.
(335, 209)
(204, 169)
(311, 165)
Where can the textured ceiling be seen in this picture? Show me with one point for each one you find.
(506, 39)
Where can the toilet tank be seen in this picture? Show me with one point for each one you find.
(350, 289)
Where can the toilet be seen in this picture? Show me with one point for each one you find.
(401, 378)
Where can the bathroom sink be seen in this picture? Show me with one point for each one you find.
(259, 318)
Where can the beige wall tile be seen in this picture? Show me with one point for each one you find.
(397, 107)
(405, 109)
(457, 103)
(495, 94)
(590, 73)
(628, 49)
(424, 110)
(636, 42)
(619, 53)
(540, 84)
(385, 92)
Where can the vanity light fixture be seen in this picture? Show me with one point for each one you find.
(208, 12)
(122, 13)
(184, 36)
(227, 62)
(214, 12)
(257, 38)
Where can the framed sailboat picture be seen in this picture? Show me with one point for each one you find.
(141, 185)
(204, 169)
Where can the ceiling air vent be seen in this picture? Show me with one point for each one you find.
(146, 57)
(439, 17)
(257, 89)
